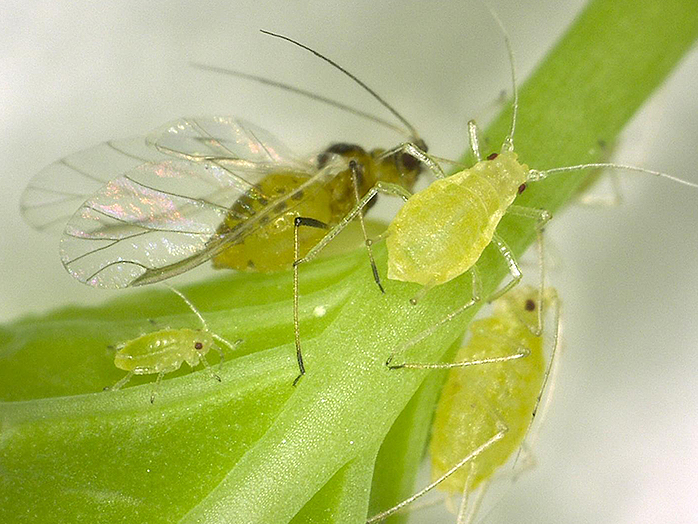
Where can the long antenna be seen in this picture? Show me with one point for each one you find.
(375, 95)
(302, 92)
(534, 174)
(509, 141)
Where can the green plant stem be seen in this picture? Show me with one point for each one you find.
(253, 449)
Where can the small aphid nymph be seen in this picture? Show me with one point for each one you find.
(164, 351)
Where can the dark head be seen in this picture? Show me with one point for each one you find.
(399, 168)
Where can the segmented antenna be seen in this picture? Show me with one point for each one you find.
(509, 141)
(410, 127)
(302, 92)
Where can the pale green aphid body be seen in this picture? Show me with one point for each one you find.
(163, 351)
(475, 402)
(486, 410)
(436, 236)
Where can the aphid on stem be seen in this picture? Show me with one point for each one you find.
(441, 231)
(485, 411)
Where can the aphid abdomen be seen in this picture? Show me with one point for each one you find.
(269, 247)
(162, 351)
(474, 400)
(441, 231)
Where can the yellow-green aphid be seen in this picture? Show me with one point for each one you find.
(485, 411)
(441, 231)
(164, 351)
(476, 401)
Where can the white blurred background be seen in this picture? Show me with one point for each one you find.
(621, 440)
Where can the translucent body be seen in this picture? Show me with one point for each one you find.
(441, 231)
(476, 402)
(163, 351)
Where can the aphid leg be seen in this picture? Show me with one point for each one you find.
(612, 199)
(542, 217)
(386, 188)
(514, 269)
(473, 135)
(380, 187)
(502, 429)
(208, 368)
(548, 386)
(156, 386)
(231, 347)
(414, 151)
(356, 174)
(475, 298)
(519, 352)
(470, 502)
(121, 383)
(421, 294)
(297, 223)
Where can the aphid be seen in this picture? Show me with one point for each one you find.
(484, 412)
(441, 231)
(164, 351)
(208, 188)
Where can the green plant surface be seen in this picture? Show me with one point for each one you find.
(252, 448)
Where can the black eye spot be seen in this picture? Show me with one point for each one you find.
(492, 156)
(198, 345)
(530, 305)
(410, 162)
(522, 188)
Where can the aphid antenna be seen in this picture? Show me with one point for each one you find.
(188, 303)
(302, 92)
(412, 131)
(535, 175)
(508, 144)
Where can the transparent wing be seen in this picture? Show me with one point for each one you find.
(149, 209)
(53, 194)
(160, 220)
(220, 137)
(241, 149)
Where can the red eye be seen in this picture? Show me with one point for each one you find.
(198, 345)
(522, 188)
(492, 156)
(530, 305)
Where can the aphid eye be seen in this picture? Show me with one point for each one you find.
(409, 162)
(492, 156)
(198, 345)
(522, 188)
(530, 305)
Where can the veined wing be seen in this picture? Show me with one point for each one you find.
(53, 194)
(244, 152)
(220, 138)
(160, 220)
